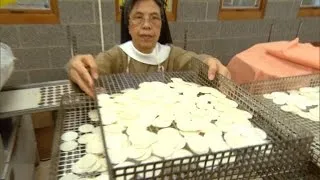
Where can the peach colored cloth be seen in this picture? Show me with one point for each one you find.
(256, 64)
(301, 53)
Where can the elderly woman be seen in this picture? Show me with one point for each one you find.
(146, 47)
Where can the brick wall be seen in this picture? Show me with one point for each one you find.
(43, 50)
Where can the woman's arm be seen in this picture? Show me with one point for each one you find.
(82, 69)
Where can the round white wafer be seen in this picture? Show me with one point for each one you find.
(70, 176)
(219, 145)
(313, 118)
(108, 116)
(315, 111)
(84, 139)
(223, 125)
(216, 142)
(229, 102)
(279, 94)
(307, 89)
(124, 164)
(181, 143)
(103, 162)
(181, 153)
(286, 108)
(176, 80)
(87, 161)
(260, 133)
(95, 167)
(102, 169)
(304, 114)
(97, 131)
(162, 122)
(168, 132)
(143, 139)
(302, 105)
(135, 153)
(117, 156)
(188, 125)
(86, 128)
(103, 97)
(135, 129)
(235, 140)
(268, 96)
(162, 149)
(280, 100)
(93, 115)
(151, 159)
(221, 107)
(293, 92)
(95, 147)
(102, 176)
(146, 155)
(75, 169)
(68, 146)
(187, 134)
(69, 136)
(198, 144)
(117, 141)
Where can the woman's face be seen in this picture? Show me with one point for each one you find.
(145, 25)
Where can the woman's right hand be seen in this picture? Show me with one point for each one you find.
(82, 70)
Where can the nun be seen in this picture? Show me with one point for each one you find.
(146, 46)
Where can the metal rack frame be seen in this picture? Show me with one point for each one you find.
(284, 84)
(286, 153)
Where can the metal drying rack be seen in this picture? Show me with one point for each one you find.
(284, 84)
(287, 151)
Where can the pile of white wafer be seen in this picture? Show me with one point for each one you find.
(160, 121)
(303, 102)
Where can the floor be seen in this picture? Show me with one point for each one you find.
(42, 171)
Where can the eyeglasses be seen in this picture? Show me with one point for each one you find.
(138, 20)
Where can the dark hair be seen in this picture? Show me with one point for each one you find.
(165, 36)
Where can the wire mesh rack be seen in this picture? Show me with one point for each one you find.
(72, 114)
(286, 151)
(313, 173)
(51, 95)
(285, 84)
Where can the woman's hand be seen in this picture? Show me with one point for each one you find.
(82, 69)
(215, 66)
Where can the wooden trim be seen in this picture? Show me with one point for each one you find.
(25, 16)
(317, 44)
(242, 14)
(309, 11)
(172, 16)
(118, 12)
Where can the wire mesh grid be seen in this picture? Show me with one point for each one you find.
(285, 84)
(312, 173)
(51, 95)
(249, 162)
(287, 151)
(73, 113)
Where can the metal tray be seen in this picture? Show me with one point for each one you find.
(284, 84)
(287, 151)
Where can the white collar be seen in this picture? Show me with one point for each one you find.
(159, 54)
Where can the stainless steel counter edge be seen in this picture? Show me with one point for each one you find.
(40, 108)
(36, 85)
